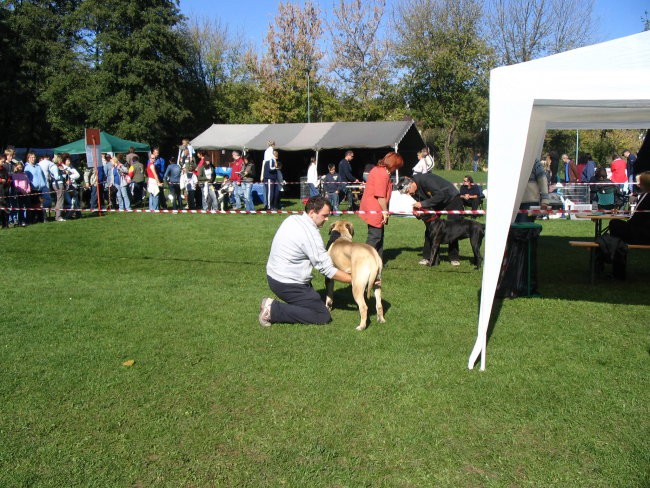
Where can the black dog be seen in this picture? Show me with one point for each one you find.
(442, 231)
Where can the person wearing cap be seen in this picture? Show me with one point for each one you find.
(432, 192)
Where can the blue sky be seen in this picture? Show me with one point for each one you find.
(250, 18)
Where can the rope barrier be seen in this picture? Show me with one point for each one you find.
(294, 212)
(360, 184)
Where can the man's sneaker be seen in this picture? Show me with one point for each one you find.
(455, 262)
(265, 312)
(423, 262)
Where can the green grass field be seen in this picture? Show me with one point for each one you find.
(213, 399)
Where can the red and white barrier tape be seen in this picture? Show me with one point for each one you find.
(293, 212)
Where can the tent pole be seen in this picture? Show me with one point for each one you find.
(577, 144)
(396, 171)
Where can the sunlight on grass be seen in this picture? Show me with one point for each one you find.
(212, 399)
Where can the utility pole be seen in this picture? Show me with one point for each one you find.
(308, 101)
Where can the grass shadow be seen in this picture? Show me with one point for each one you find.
(343, 300)
(393, 253)
(558, 261)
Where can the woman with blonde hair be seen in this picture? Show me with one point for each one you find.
(376, 197)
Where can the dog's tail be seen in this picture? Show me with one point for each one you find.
(374, 276)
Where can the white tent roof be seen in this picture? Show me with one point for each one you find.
(601, 86)
(312, 136)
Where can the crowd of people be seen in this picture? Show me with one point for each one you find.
(30, 189)
(608, 186)
(621, 168)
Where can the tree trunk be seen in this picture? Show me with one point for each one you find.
(447, 147)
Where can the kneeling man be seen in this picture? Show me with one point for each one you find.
(296, 250)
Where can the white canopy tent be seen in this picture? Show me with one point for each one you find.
(603, 86)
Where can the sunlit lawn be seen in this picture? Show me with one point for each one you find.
(215, 400)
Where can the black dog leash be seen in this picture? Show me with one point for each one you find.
(333, 236)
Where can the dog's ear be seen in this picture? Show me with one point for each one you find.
(331, 227)
(350, 228)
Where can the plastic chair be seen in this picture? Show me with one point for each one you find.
(606, 198)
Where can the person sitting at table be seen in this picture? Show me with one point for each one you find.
(636, 229)
(603, 192)
(471, 194)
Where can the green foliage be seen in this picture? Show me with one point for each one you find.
(290, 66)
(108, 63)
(140, 58)
(447, 66)
(214, 400)
(360, 64)
(36, 39)
(599, 143)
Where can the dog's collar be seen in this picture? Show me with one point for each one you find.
(430, 219)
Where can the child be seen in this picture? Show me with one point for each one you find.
(5, 184)
(225, 191)
(188, 186)
(185, 153)
(332, 186)
(22, 188)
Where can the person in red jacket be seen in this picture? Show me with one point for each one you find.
(376, 196)
(619, 170)
(236, 168)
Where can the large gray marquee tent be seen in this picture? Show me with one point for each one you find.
(297, 142)
(311, 136)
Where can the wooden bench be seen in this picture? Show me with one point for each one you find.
(592, 246)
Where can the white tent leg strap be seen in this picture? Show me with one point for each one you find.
(479, 349)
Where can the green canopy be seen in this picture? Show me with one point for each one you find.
(109, 143)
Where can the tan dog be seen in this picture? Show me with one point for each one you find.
(362, 262)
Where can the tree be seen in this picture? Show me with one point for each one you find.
(446, 66)
(290, 66)
(599, 143)
(217, 65)
(35, 38)
(131, 57)
(522, 30)
(359, 59)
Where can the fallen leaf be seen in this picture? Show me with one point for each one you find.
(130, 362)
